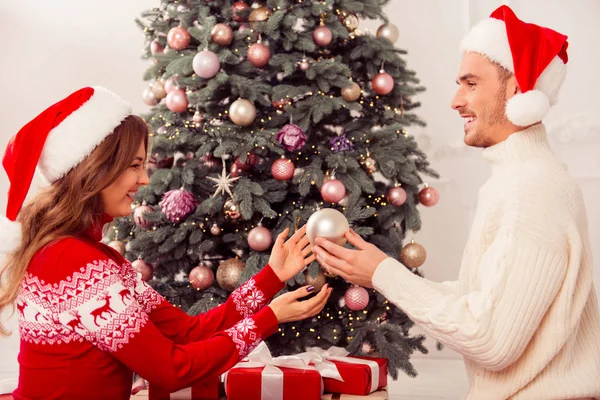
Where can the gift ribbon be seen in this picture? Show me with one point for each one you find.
(322, 358)
(272, 376)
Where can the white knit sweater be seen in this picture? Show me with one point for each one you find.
(523, 313)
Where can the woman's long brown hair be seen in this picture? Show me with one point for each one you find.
(72, 204)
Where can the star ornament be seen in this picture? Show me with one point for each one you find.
(223, 182)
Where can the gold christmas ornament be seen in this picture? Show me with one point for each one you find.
(260, 14)
(242, 112)
(317, 281)
(222, 34)
(388, 31)
(351, 93)
(413, 255)
(229, 272)
(118, 246)
(232, 209)
(369, 164)
(350, 21)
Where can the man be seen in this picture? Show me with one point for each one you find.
(523, 312)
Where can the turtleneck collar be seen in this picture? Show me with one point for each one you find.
(95, 230)
(520, 147)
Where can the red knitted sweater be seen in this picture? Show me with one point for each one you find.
(87, 320)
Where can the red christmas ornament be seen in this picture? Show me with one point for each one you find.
(177, 101)
(259, 55)
(333, 191)
(396, 196)
(260, 238)
(429, 196)
(281, 103)
(143, 268)
(239, 11)
(210, 161)
(382, 83)
(201, 277)
(283, 169)
(178, 38)
(356, 298)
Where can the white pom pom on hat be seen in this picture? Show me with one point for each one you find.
(54, 142)
(536, 55)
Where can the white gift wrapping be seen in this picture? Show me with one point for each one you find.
(272, 376)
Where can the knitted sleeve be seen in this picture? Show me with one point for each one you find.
(243, 302)
(98, 304)
(519, 277)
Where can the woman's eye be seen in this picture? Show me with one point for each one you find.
(136, 166)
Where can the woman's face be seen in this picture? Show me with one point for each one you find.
(117, 198)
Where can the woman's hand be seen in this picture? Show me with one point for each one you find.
(289, 258)
(287, 307)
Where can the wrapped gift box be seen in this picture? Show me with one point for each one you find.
(361, 375)
(256, 384)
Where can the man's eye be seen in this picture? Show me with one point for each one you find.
(471, 84)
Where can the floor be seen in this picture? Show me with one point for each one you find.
(438, 379)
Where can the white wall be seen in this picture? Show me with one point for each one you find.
(53, 48)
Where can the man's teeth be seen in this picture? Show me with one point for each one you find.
(469, 119)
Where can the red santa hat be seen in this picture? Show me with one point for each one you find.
(54, 142)
(536, 55)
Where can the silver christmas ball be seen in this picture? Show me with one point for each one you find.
(327, 223)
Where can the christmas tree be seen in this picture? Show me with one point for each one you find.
(262, 114)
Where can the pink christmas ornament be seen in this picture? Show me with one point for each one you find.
(177, 204)
(206, 64)
(382, 83)
(283, 169)
(177, 101)
(178, 38)
(322, 36)
(138, 216)
(396, 196)
(143, 268)
(201, 277)
(156, 47)
(260, 238)
(357, 298)
(171, 84)
(333, 191)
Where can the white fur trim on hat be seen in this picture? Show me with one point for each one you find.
(551, 79)
(81, 132)
(489, 39)
(10, 235)
(527, 108)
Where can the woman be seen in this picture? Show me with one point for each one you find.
(86, 319)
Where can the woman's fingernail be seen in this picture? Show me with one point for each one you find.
(310, 289)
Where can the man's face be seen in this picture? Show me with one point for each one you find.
(481, 100)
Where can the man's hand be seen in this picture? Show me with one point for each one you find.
(355, 266)
(289, 258)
